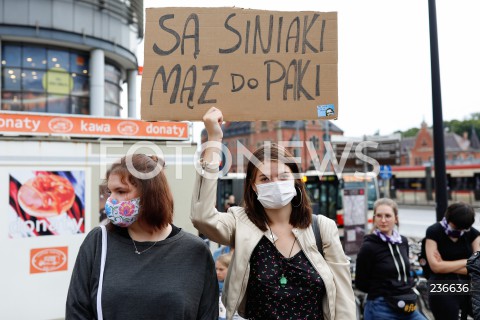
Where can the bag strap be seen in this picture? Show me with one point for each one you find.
(102, 269)
(316, 233)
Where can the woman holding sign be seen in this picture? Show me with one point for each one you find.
(277, 271)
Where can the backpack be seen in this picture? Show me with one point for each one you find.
(422, 260)
(316, 233)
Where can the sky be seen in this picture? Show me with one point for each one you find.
(384, 74)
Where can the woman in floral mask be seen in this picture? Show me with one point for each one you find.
(152, 268)
(277, 271)
(449, 244)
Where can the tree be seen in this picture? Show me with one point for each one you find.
(455, 126)
(459, 127)
(412, 132)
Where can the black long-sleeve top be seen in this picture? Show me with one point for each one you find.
(175, 279)
(381, 270)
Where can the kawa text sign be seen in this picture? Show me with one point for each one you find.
(252, 64)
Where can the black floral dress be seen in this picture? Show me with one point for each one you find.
(300, 298)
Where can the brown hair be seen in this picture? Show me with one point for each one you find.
(156, 200)
(301, 216)
(387, 202)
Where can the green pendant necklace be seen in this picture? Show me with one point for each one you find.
(283, 279)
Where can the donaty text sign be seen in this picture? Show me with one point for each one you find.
(57, 125)
(252, 64)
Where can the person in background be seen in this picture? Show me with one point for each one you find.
(223, 249)
(383, 268)
(449, 243)
(221, 266)
(152, 267)
(230, 202)
(277, 271)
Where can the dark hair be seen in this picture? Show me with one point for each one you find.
(156, 200)
(301, 216)
(461, 215)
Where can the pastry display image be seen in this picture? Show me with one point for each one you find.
(46, 195)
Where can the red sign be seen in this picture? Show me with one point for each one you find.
(23, 123)
(48, 259)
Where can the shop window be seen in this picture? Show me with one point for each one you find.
(11, 79)
(58, 103)
(79, 64)
(11, 101)
(44, 79)
(58, 59)
(11, 56)
(34, 102)
(32, 80)
(34, 57)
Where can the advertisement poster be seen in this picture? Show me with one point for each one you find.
(354, 204)
(44, 203)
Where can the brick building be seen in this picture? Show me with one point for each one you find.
(418, 150)
(241, 136)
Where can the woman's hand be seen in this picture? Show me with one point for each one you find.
(213, 119)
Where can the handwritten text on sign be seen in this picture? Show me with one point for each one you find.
(253, 64)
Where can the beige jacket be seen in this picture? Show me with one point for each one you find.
(233, 228)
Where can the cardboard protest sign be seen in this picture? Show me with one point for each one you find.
(252, 64)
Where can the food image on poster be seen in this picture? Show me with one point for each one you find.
(46, 203)
(46, 195)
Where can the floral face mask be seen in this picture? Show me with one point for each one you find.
(122, 213)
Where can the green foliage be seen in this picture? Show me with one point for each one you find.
(461, 126)
(412, 132)
(456, 126)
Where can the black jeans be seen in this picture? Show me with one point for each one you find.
(447, 307)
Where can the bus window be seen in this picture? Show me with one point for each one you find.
(324, 194)
(231, 184)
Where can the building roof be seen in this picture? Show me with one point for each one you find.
(334, 128)
(407, 143)
(452, 141)
(455, 143)
(474, 141)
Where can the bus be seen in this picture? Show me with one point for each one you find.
(416, 184)
(231, 183)
(325, 191)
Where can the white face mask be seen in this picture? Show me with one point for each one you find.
(275, 195)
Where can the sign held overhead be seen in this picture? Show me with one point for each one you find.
(253, 64)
